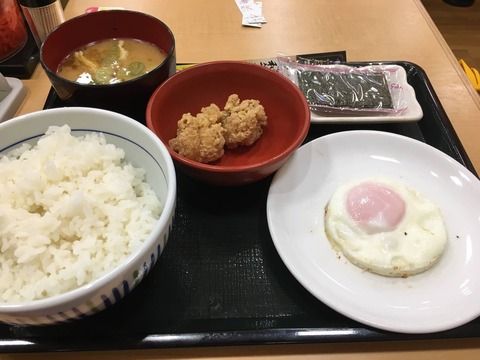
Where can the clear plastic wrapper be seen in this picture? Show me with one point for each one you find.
(332, 57)
(341, 89)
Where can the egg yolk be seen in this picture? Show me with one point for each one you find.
(375, 207)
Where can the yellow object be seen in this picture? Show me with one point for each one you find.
(472, 74)
(183, 66)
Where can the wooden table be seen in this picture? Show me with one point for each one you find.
(367, 30)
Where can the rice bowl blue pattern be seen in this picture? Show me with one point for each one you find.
(143, 149)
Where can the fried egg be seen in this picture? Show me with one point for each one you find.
(385, 227)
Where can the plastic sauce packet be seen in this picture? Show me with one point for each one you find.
(342, 89)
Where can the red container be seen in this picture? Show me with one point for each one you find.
(128, 97)
(191, 89)
(13, 33)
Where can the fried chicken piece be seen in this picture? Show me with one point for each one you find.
(243, 121)
(200, 137)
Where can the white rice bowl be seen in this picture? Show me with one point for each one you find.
(83, 215)
(71, 209)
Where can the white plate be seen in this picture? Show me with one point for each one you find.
(444, 297)
(412, 113)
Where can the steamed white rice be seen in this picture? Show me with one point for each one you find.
(71, 209)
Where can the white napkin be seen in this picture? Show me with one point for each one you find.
(252, 13)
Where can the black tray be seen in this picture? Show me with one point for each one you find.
(22, 64)
(220, 280)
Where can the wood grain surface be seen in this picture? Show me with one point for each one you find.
(460, 26)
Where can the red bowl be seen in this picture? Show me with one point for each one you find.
(128, 97)
(200, 85)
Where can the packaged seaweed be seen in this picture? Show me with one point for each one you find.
(342, 89)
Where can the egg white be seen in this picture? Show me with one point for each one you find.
(412, 247)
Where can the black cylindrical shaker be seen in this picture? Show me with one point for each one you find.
(42, 16)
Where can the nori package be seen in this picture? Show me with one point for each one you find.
(345, 90)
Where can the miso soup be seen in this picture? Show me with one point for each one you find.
(110, 61)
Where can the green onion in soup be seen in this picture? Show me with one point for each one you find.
(110, 61)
